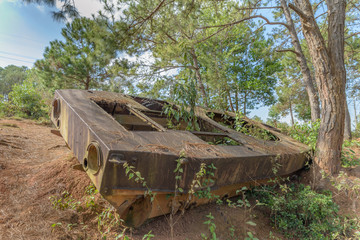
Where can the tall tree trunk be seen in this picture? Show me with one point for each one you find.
(330, 76)
(237, 100)
(245, 102)
(291, 114)
(198, 77)
(356, 119)
(300, 58)
(230, 101)
(87, 83)
(347, 129)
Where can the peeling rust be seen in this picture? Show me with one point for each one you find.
(123, 129)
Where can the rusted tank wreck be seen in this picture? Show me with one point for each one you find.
(106, 130)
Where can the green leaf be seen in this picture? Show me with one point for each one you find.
(251, 223)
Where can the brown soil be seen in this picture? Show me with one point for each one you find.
(35, 165)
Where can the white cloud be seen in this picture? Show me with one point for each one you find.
(85, 7)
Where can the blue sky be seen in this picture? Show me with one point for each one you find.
(26, 29)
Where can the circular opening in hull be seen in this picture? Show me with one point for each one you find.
(92, 162)
(56, 108)
(85, 164)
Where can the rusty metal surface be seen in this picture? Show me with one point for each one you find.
(132, 130)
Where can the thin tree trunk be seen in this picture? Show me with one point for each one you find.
(87, 83)
(300, 58)
(230, 101)
(198, 76)
(356, 119)
(291, 114)
(245, 101)
(347, 130)
(236, 100)
(330, 76)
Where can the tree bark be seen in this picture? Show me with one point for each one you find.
(347, 130)
(291, 114)
(300, 58)
(198, 76)
(237, 100)
(230, 101)
(356, 119)
(87, 83)
(330, 76)
(245, 102)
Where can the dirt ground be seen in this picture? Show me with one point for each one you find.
(35, 165)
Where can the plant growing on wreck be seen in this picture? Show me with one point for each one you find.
(136, 176)
(176, 116)
(252, 130)
(185, 96)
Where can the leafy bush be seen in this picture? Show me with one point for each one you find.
(3, 106)
(25, 101)
(348, 156)
(302, 212)
(306, 133)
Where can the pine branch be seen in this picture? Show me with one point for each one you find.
(288, 50)
(298, 11)
(353, 34)
(246, 19)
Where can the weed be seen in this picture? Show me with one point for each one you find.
(90, 201)
(204, 179)
(148, 236)
(211, 227)
(349, 187)
(200, 187)
(56, 225)
(348, 158)
(65, 201)
(300, 211)
(250, 236)
(132, 174)
(108, 219)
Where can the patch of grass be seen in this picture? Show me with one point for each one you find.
(11, 125)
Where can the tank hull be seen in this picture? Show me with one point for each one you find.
(113, 135)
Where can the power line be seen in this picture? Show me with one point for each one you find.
(19, 37)
(17, 55)
(15, 59)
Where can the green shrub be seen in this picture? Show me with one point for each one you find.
(301, 212)
(25, 101)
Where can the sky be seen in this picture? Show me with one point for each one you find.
(26, 29)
